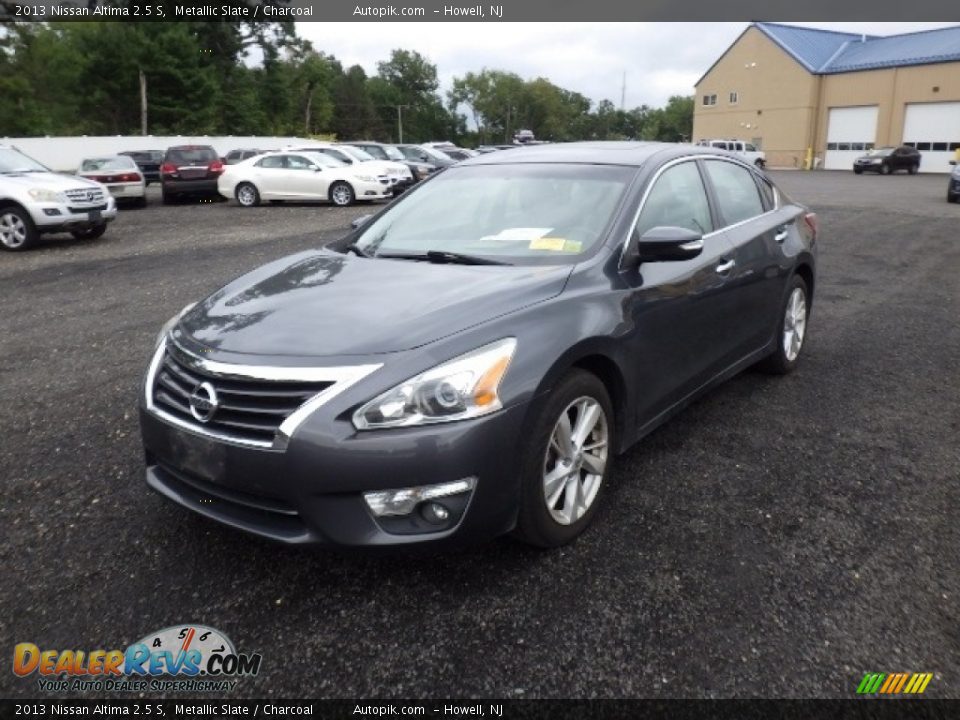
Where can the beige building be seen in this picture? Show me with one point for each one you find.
(793, 90)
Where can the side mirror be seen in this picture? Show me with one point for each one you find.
(362, 220)
(668, 243)
(953, 162)
(315, 168)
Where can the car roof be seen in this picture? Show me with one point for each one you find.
(628, 153)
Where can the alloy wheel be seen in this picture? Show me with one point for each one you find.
(342, 194)
(13, 231)
(246, 195)
(575, 461)
(794, 324)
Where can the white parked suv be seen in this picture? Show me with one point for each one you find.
(749, 151)
(35, 200)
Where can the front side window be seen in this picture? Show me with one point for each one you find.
(297, 162)
(519, 214)
(737, 194)
(677, 199)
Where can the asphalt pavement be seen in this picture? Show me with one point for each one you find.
(780, 538)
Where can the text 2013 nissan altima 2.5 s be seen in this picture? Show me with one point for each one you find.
(470, 361)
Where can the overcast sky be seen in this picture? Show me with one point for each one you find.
(660, 59)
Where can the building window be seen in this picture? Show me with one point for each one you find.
(709, 100)
(734, 97)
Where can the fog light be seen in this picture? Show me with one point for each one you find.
(51, 211)
(403, 501)
(435, 513)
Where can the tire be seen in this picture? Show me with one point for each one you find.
(17, 231)
(247, 195)
(141, 202)
(857, 171)
(90, 233)
(953, 197)
(913, 169)
(760, 163)
(576, 494)
(885, 169)
(341, 194)
(785, 356)
(167, 198)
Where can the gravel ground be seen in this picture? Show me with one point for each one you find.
(779, 538)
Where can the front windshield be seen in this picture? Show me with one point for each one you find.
(393, 153)
(532, 213)
(13, 161)
(356, 153)
(881, 152)
(109, 163)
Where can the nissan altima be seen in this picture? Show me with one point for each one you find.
(470, 361)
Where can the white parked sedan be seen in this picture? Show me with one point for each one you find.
(120, 174)
(301, 176)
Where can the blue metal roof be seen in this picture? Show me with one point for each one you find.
(827, 52)
(811, 47)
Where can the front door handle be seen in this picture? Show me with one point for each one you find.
(782, 233)
(725, 266)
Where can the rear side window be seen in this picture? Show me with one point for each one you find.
(187, 155)
(737, 194)
(677, 199)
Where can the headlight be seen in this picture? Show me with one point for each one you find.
(876, 161)
(465, 387)
(169, 324)
(44, 195)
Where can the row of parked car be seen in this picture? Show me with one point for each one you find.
(35, 200)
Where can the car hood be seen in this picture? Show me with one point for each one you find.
(48, 180)
(871, 157)
(382, 167)
(322, 303)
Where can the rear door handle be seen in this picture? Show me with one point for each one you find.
(725, 266)
(782, 233)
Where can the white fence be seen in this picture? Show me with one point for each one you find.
(65, 153)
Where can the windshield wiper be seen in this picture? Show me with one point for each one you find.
(442, 257)
(358, 250)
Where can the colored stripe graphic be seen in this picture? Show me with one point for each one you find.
(894, 683)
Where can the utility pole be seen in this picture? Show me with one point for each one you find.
(400, 123)
(623, 91)
(143, 103)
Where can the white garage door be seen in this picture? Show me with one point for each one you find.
(934, 130)
(851, 131)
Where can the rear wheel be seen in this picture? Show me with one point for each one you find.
(247, 194)
(884, 169)
(167, 197)
(341, 194)
(568, 462)
(17, 231)
(953, 197)
(791, 331)
(91, 233)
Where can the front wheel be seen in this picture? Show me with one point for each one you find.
(568, 462)
(791, 331)
(857, 171)
(914, 169)
(885, 170)
(247, 195)
(760, 163)
(91, 233)
(17, 231)
(341, 194)
(953, 197)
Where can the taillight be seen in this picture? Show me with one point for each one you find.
(216, 167)
(130, 177)
(168, 169)
(811, 220)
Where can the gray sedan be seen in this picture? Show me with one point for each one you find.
(471, 360)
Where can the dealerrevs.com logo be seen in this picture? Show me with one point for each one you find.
(189, 658)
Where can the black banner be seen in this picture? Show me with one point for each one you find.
(491, 709)
(470, 11)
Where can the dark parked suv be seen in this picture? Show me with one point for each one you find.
(190, 170)
(538, 312)
(149, 163)
(888, 160)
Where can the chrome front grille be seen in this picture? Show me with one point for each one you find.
(89, 196)
(245, 408)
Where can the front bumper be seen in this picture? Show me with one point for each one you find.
(372, 190)
(403, 184)
(62, 217)
(953, 187)
(311, 492)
